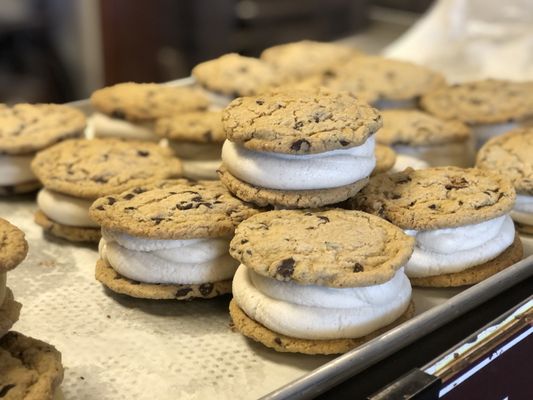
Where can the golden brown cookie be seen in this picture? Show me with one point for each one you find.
(13, 246)
(385, 159)
(196, 127)
(72, 233)
(9, 314)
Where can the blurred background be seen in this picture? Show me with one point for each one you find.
(61, 50)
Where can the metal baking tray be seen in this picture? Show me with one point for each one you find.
(117, 347)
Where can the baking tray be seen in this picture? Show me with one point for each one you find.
(117, 347)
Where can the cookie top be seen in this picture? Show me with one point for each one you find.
(307, 57)
(235, 75)
(416, 128)
(97, 167)
(512, 155)
(385, 159)
(147, 101)
(173, 209)
(26, 128)
(435, 198)
(300, 122)
(390, 79)
(336, 248)
(200, 127)
(13, 246)
(481, 102)
(29, 369)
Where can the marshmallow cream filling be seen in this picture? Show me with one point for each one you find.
(403, 162)
(189, 261)
(523, 209)
(102, 125)
(300, 172)
(460, 154)
(314, 312)
(2, 287)
(443, 251)
(64, 209)
(16, 169)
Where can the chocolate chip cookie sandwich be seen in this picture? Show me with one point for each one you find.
(511, 155)
(298, 149)
(169, 240)
(76, 172)
(490, 107)
(129, 110)
(197, 139)
(26, 129)
(233, 75)
(459, 218)
(319, 282)
(436, 141)
(395, 83)
(297, 60)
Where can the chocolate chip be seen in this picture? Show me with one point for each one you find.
(249, 252)
(100, 207)
(143, 153)
(456, 183)
(206, 288)
(128, 196)
(100, 179)
(111, 201)
(278, 341)
(129, 208)
(301, 144)
(260, 102)
(157, 220)
(5, 389)
(182, 207)
(395, 196)
(118, 113)
(432, 206)
(191, 192)
(322, 218)
(244, 241)
(286, 268)
(298, 125)
(205, 204)
(461, 202)
(358, 268)
(183, 292)
(139, 190)
(344, 142)
(197, 198)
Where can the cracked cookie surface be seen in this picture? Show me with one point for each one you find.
(147, 101)
(300, 122)
(200, 127)
(174, 209)
(13, 246)
(26, 128)
(416, 128)
(481, 102)
(97, 167)
(512, 155)
(335, 248)
(435, 198)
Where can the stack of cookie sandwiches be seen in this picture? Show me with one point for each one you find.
(437, 142)
(319, 282)
(298, 149)
(459, 218)
(26, 129)
(197, 139)
(76, 172)
(169, 240)
(129, 110)
(29, 368)
(490, 107)
(512, 155)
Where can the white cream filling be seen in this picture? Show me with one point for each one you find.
(523, 209)
(15, 170)
(460, 154)
(3, 277)
(325, 170)
(101, 125)
(200, 169)
(483, 133)
(443, 251)
(190, 261)
(315, 312)
(64, 209)
(403, 162)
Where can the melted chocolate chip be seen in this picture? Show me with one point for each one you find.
(206, 288)
(278, 341)
(100, 207)
(286, 268)
(358, 268)
(157, 220)
(322, 218)
(128, 196)
(183, 292)
(260, 102)
(432, 206)
(456, 183)
(244, 241)
(111, 201)
(301, 144)
(344, 143)
(143, 153)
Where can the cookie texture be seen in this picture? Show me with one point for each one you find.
(120, 284)
(264, 197)
(390, 79)
(481, 102)
(435, 198)
(9, 314)
(300, 122)
(72, 233)
(26, 128)
(385, 159)
(512, 155)
(286, 344)
(147, 101)
(23, 188)
(13, 246)
(470, 276)
(173, 209)
(97, 167)
(235, 75)
(199, 127)
(416, 128)
(335, 248)
(300, 59)
(29, 369)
